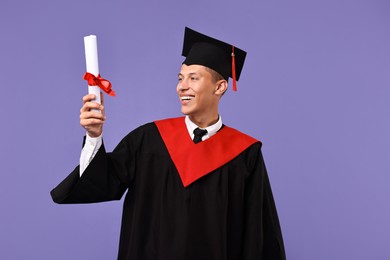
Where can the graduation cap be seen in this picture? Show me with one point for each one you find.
(222, 57)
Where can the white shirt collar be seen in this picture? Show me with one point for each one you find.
(211, 130)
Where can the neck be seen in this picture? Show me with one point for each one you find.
(204, 122)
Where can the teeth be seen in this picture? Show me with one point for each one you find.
(186, 98)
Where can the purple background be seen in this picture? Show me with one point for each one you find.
(314, 89)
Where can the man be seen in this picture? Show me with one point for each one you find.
(196, 189)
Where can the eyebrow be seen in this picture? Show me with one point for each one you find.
(189, 74)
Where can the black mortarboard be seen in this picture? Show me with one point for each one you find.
(222, 57)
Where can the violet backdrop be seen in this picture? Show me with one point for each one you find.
(314, 89)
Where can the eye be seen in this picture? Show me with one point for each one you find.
(194, 78)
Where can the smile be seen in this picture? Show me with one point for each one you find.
(186, 98)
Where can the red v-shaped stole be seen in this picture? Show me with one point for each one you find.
(194, 161)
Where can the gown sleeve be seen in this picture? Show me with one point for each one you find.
(106, 178)
(262, 234)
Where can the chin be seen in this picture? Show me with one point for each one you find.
(185, 112)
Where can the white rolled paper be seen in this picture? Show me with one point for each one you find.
(92, 62)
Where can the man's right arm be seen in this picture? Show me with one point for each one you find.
(90, 188)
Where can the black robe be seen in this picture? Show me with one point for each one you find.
(228, 213)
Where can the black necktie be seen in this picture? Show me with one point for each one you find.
(198, 133)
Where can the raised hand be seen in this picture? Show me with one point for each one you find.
(91, 119)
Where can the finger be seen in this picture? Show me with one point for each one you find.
(91, 105)
(91, 122)
(88, 98)
(92, 115)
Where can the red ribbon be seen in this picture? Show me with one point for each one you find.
(104, 84)
(234, 70)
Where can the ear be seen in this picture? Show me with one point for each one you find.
(221, 87)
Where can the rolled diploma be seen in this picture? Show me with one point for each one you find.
(91, 59)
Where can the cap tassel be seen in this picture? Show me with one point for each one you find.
(234, 70)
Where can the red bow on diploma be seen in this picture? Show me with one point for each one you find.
(104, 84)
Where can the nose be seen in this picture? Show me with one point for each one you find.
(182, 85)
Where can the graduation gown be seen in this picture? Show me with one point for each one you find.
(174, 211)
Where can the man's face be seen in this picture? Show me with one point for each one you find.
(196, 91)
